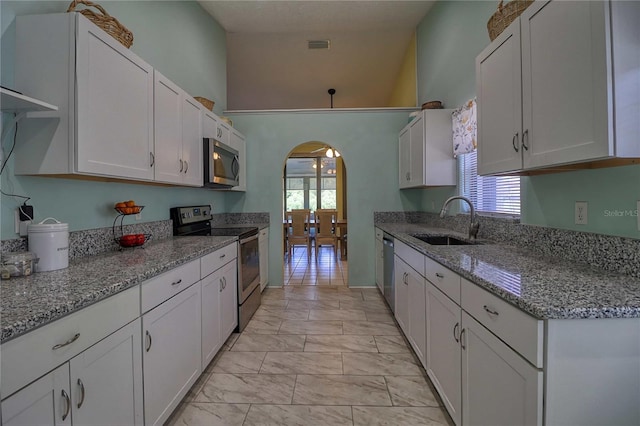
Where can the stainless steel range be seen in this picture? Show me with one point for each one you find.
(196, 221)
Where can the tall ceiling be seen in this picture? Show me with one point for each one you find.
(269, 64)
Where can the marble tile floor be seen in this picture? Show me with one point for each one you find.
(324, 269)
(303, 361)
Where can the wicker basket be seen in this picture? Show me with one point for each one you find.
(208, 103)
(108, 23)
(505, 15)
(432, 105)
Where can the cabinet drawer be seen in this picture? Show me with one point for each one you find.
(217, 259)
(444, 279)
(31, 355)
(412, 257)
(160, 288)
(517, 329)
(379, 234)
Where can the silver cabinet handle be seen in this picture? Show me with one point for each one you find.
(68, 342)
(221, 285)
(176, 282)
(149, 341)
(455, 337)
(462, 342)
(525, 137)
(408, 176)
(153, 159)
(68, 405)
(181, 165)
(514, 140)
(492, 312)
(439, 275)
(223, 256)
(81, 393)
(186, 166)
(224, 279)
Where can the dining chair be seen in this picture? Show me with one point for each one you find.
(298, 230)
(326, 229)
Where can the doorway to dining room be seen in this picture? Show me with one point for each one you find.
(315, 181)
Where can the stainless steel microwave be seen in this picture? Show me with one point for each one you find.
(221, 165)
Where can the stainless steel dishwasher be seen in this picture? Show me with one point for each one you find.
(388, 286)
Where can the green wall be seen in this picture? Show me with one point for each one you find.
(179, 39)
(449, 38)
(368, 142)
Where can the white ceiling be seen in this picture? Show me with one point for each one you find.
(270, 67)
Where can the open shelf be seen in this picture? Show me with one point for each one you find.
(14, 102)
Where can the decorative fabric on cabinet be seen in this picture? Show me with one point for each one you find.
(465, 128)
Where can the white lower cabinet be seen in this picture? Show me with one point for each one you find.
(85, 390)
(218, 320)
(108, 375)
(263, 247)
(229, 300)
(410, 305)
(171, 354)
(498, 386)
(44, 402)
(443, 349)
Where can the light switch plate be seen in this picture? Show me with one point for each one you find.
(581, 213)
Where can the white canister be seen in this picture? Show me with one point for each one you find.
(50, 242)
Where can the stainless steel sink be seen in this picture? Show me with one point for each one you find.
(444, 240)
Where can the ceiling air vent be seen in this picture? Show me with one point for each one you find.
(319, 44)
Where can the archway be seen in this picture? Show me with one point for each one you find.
(314, 179)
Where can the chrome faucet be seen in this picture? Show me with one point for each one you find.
(473, 226)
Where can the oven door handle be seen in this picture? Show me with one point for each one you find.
(248, 239)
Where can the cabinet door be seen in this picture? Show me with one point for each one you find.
(224, 132)
(172, 353)
(380, 265)
(443, 349)
(264, 258)
(498, 386)
(168, 130)
(209, 125)
(212, 341)
(401, 294)
(416, 154)
(229, 300)
(44, 402)
(109, 375)
(404, 152)
(417, 313)
(565, 80)
(498, 87)
(113, 141)
(238, 142)
(191, 142)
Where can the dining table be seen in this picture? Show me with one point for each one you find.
(341, 228)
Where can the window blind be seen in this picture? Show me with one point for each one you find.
(499, 194)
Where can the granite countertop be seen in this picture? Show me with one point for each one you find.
(33, 301)
(547, 288)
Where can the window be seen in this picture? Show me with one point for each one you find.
(488, 194)
(310, 183)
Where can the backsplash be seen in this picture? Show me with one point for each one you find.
(611, 253)
(91, 242)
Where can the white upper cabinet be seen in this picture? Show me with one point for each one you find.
(579, 86)
(104, 92)
(426, 151)
(178, 134)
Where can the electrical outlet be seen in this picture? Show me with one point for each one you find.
(581, 213)
(138, 216)
(17, 221)
(638, 214)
